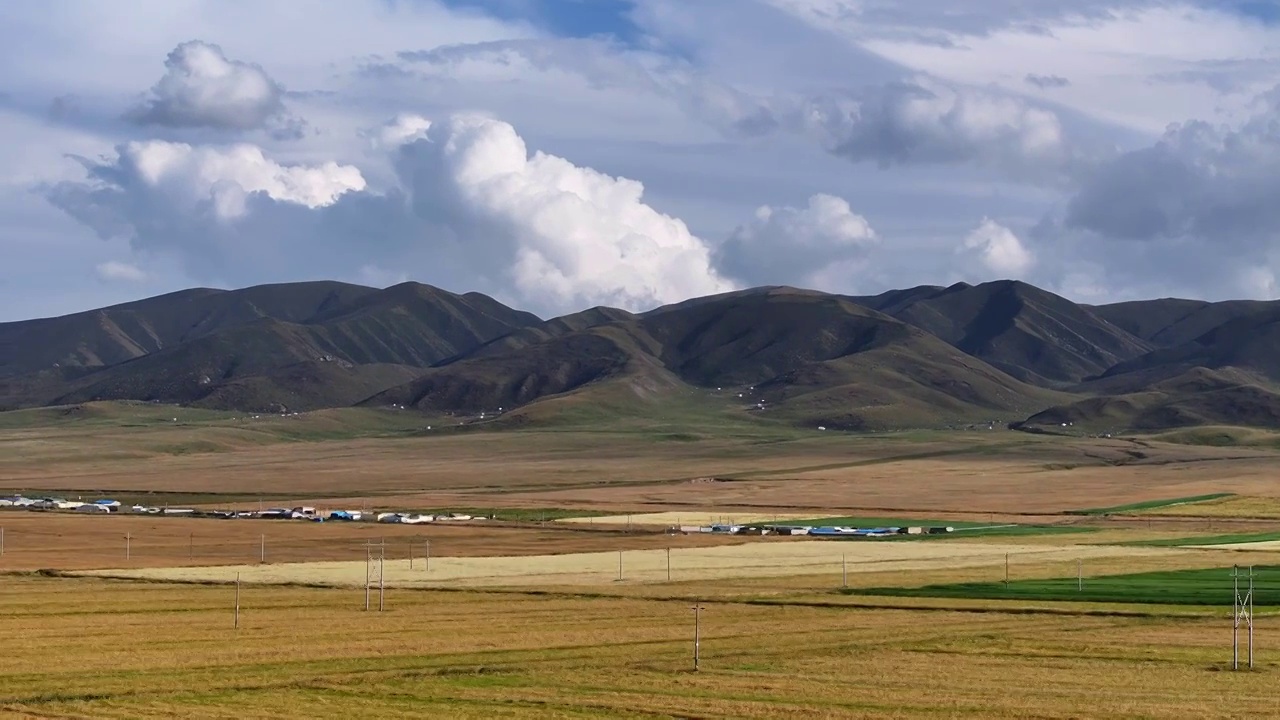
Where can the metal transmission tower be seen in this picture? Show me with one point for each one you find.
(1241, 611)
(697, 633)
(368, 572)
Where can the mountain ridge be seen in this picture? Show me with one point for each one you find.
(929, 355)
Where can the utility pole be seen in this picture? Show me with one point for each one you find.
(368, 558)
(426, 561)
(382, 586)
(1, 542)
(1006, 571)
(128, 542)
(844, 571)
(619, 566)
(191, 547)
(262, 548)
(668, 554)
(237, 627)
(697, 633)
(1241, 610)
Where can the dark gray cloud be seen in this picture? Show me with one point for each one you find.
(1045, 82)
(1195, 212)
(929, 122)
(1198, 180)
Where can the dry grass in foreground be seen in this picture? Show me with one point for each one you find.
(93, 648)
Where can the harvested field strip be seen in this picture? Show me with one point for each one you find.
(1211, 587)
(760, 559)
(1149, 505)
(693, 517)
(1211, 541)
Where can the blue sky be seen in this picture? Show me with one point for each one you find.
(1264, 10)
(563, 154)
(563, 18)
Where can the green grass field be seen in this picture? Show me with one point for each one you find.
(1206, 587)
(1231, 539)
(1148, 505)
(974, 532)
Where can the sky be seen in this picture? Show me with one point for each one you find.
(563, 154)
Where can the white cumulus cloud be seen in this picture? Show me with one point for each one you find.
(572, 235)
(116, 271)
(997, 250)
(398, 130)
(201, 87)
(797, 246)
(471, 208)
(227, 213)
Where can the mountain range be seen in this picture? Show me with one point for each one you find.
(928, 356)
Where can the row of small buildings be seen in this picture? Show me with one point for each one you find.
(820, 531)
(303, 512)
(54, 503)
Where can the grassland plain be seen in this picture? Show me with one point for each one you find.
(522, 619)
(94, 648)
(700, 460)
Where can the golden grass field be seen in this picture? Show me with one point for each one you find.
(528, 619)
(93, 648)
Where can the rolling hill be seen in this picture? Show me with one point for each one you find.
(798, 356)
(247, 349)
(929, 356)
(1029, 333)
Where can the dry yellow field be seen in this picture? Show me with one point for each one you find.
(765, 558)
(88, 648)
